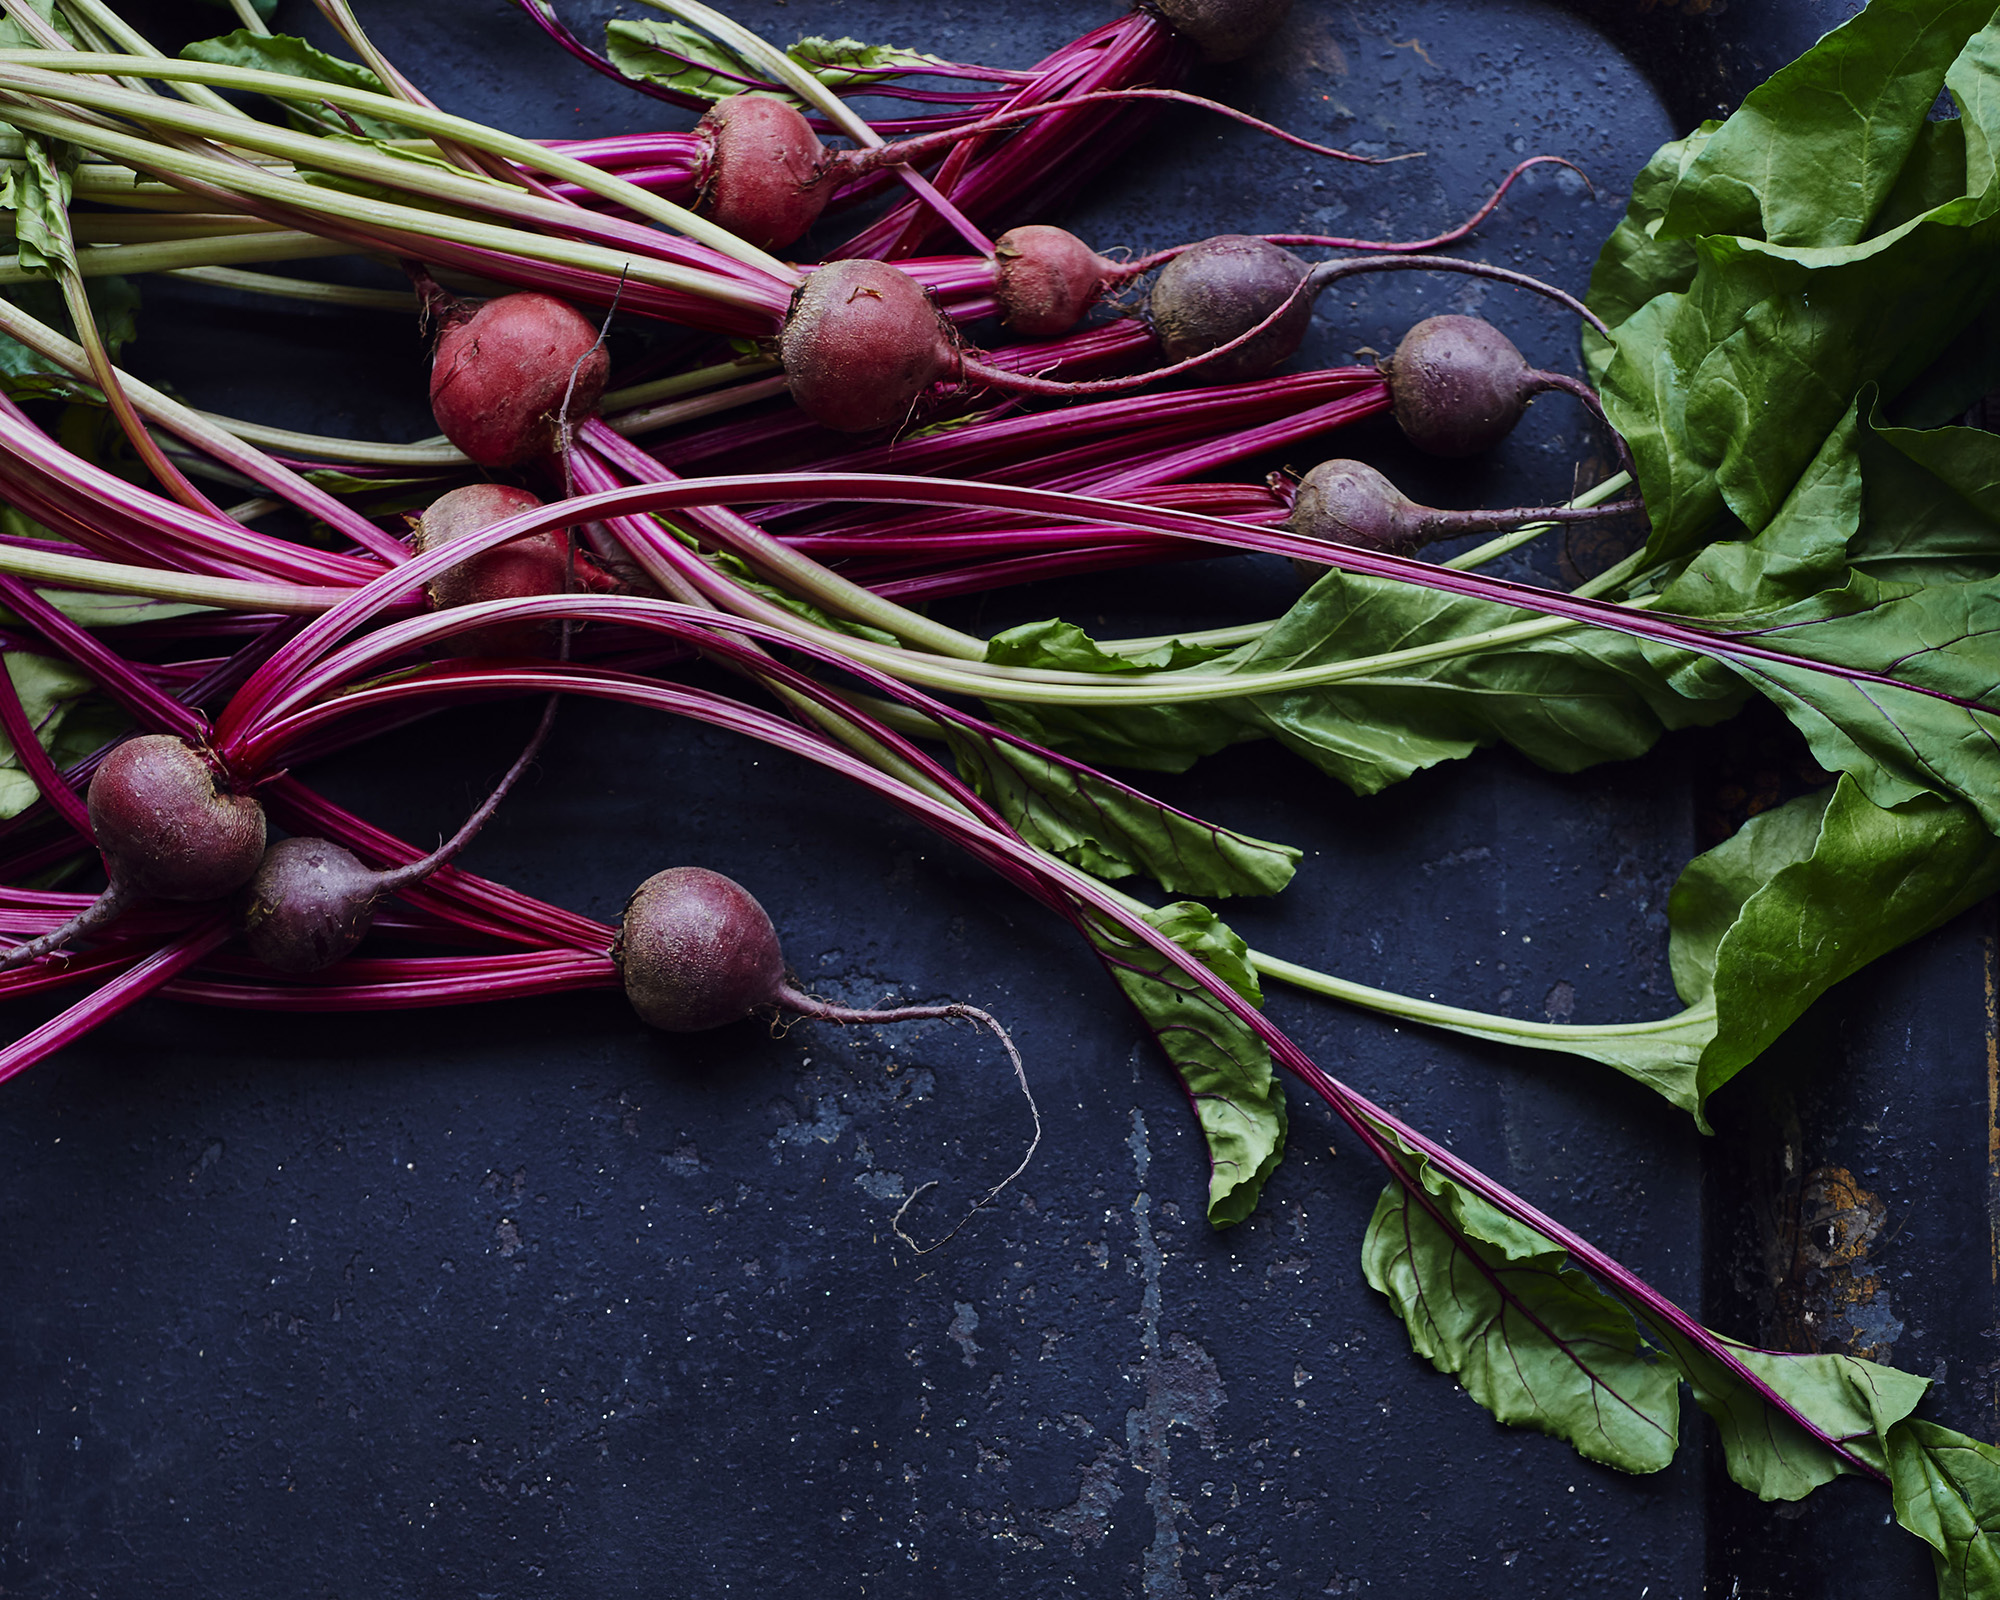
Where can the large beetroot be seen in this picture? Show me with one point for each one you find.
(168, 826)
(510, 380)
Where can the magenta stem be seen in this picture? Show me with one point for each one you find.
(107, 1000)
(23, 735)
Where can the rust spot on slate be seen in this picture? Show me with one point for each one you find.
(1828, 1298)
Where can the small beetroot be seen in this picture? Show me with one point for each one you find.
(1048, 278)
(311, 901)
(538, 563)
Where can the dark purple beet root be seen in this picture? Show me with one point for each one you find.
(862, 344)
(166, 828)
(536, 564)
(1226, 30)
(308, 905)
(500, 378)
(1048, 279)
(765, 170)
(1458, 385)
(312, 901)
(1219, 289)
(697, 951)
(1349, 502)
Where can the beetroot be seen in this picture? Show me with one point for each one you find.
(862, 344)
(1458, 385)
(696, 951)
(1349, 502)
(764, 177)
(311, 901)
(165, 825)
(1048, 278)
(1214, 291)
(536, 564)
(166, 829)
(309, 904)
(1226, 30)
(509, 381)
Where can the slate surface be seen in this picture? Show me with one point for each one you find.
(522, 1300)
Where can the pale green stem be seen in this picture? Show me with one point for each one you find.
(423, 119)
(246, 14)
(124, 260)
(326, 294)
(654, 418)
(357, 161)
(372, 215)
(1485, 1024)
(247, 511)
(360, 452)
(125, 37)
(348, 26)
(111, 577)
(684, 383)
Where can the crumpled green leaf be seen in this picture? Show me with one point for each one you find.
(1856, 1402)
(1826, 236)
(38, 194)
(1223, 1065)
(684, 59)
(1566, 697)
(1110, 830)
(1865, 577)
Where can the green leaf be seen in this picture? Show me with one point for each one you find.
(1814, 150)
(1167, 737)
(1931, 503)
(1533, 1340)
(844, 63)
(684, 59)
(1566, 698)
(1947, 1492)
(70, 719)
(1110, 830)
(1825, 237)
(38, 193)
(292, 57)
(1856, 1402)
(1223, 1065)
(1808, 893)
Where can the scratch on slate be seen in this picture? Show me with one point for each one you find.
(1182, 1389)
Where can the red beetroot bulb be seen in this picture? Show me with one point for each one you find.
(509, 381)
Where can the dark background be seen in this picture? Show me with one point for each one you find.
(523, 1300)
